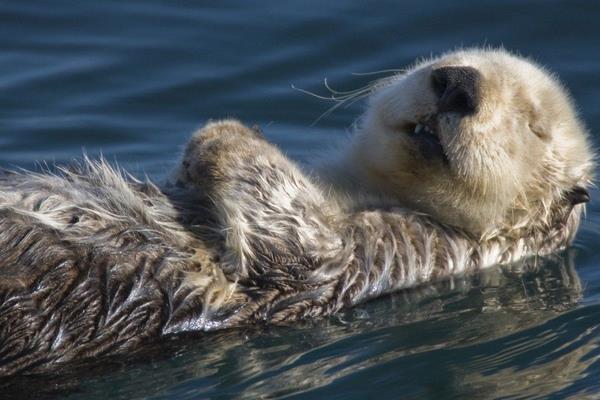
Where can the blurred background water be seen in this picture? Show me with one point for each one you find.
(132, 79)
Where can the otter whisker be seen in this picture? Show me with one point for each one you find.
(382, 71)
(312, 94)
(349, 97)
(96, 262)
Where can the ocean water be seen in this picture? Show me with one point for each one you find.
(132, 79)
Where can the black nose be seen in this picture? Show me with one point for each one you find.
(457, 89)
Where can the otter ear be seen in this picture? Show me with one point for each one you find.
(578, 195)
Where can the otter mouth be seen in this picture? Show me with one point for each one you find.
(426, 137)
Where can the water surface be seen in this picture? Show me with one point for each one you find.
(132, 79)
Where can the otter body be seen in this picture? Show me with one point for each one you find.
(93, 262)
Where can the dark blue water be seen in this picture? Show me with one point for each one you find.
(132, 80)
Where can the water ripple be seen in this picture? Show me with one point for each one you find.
(132, 79)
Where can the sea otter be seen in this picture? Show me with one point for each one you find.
(467, 160)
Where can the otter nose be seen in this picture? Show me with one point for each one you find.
(457, 89)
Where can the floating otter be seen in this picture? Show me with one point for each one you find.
(465, 161)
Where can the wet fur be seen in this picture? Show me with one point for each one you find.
(94, 262)
(523, 150)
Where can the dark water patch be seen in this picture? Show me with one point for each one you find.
(133, 79)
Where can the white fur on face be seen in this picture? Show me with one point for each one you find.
(523, 148)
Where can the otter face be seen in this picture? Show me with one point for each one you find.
(479, 139)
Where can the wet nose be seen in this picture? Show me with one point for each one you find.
(457, 89)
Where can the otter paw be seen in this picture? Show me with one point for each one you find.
(227, 130)
(216, 150)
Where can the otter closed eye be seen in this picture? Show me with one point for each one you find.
(479, 139)
(468, 160)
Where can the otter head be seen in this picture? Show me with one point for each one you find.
(480, 139)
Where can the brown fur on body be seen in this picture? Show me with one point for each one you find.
(93, 262)
(282, 232)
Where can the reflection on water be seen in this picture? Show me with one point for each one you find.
(502, 332)
(132, 79)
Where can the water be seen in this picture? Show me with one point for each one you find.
(132, 80)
